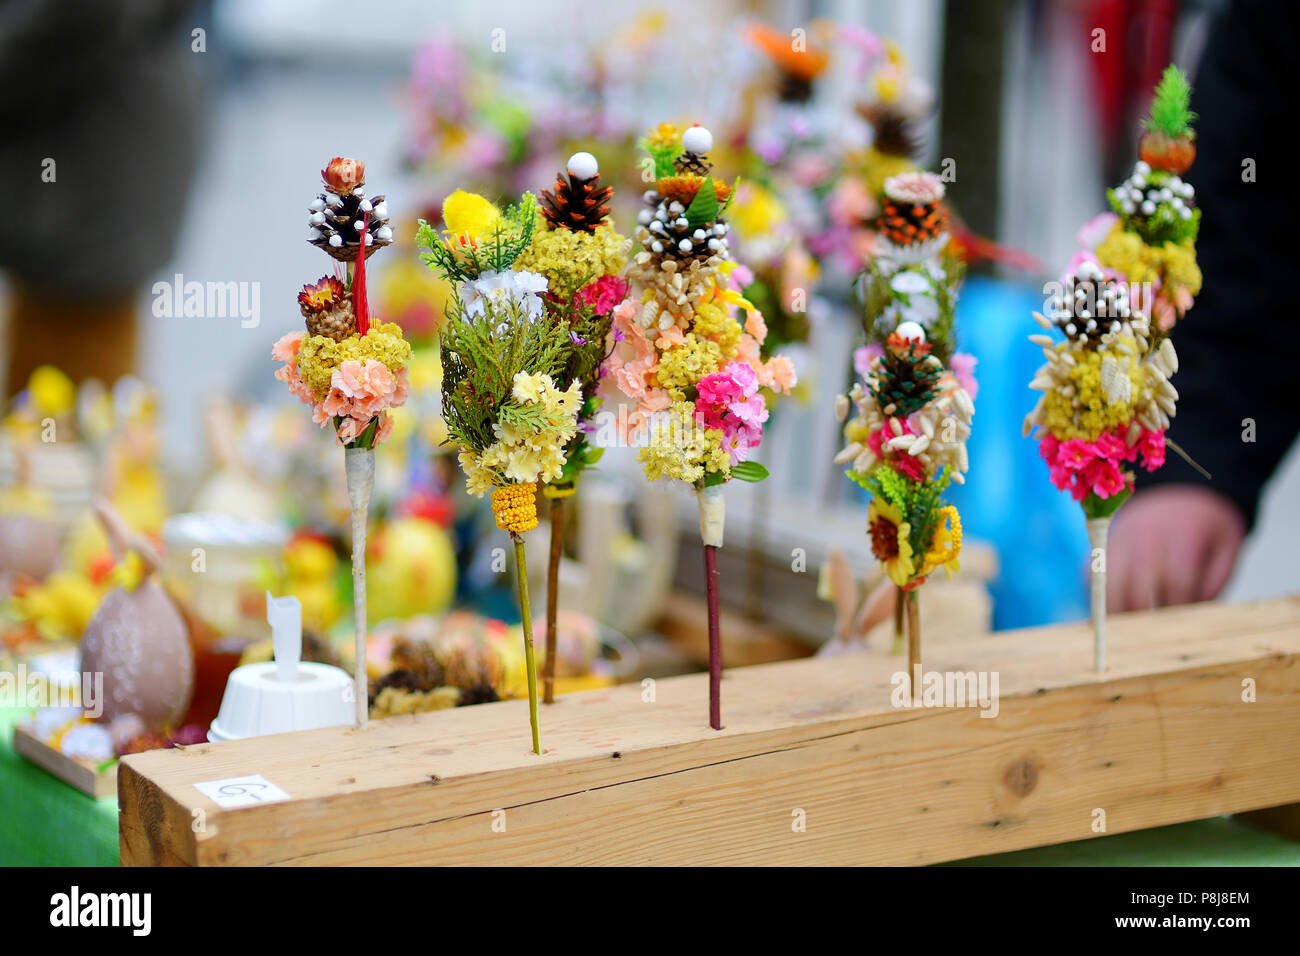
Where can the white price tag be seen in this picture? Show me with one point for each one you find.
(241, 791)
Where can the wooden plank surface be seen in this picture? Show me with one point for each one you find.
(77, 773)
(632, 774)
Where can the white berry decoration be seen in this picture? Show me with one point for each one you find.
(697, 140)
(911, 331)
(583, 166)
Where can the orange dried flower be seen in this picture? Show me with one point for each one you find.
(684, 186)
(342, 175)
(321, 296)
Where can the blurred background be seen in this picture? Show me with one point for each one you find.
(180, 144)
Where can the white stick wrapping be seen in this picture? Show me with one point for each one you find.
(360, 465)
(713, 514)
(1098, 533)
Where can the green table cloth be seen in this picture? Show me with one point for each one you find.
(45, 822)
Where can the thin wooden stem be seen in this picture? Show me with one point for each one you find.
(553, 596)
(914, 643)
(1098, 533)
(715, 641)
(360, 469)
(521, 568)
(900, 598)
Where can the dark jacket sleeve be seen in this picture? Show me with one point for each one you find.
(1239, 346)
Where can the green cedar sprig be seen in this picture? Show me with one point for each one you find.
(919, 502)
(1170, 111)
(589, 344)
(495, 255)
(481, 354)
(662, 156)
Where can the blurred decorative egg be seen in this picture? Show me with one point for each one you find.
(138, 641)
(29, 545)
(412, 570)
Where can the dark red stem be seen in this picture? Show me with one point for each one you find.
(715, 642)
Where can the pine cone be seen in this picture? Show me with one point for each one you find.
(667, 234)
(337, 323)
(895, 134)
(577, 204)
(909, 380)
(1091, 305)
(336, 224)
(691, 163)
(906, 224)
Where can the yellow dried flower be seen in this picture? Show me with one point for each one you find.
(478, 479)
(680, 448)
(664, 136)
(684, 365)
(1171, 264)
(570, 259)
(715, 322)
(1090, 410)
(320, 355)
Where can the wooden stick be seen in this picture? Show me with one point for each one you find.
(914, 644)
(521, 567)
(360, 467)
(900, 597)
(715, 641)
(1098, 532)
(552, 596)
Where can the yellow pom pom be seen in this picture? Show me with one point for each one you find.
(515, 507)
(469, 215)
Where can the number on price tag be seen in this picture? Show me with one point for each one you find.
(241, 791)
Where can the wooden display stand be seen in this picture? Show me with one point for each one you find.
(85, 775)
(1198, 716)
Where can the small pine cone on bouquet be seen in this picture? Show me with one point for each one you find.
(338, 216)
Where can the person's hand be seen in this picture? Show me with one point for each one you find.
(1172, 544)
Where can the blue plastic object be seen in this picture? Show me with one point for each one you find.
(1038, 531)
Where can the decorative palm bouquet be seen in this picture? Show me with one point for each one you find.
(348, 367)
(689, 349)
(914, 405)
(580, 254)
(504, 347)
(1107, 399)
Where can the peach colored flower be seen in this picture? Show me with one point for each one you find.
(780, 373)
(655, 400)
(368, 384)
(286, 347)
(747, 350)
(336, 403)
(364, 379)
(349, 429)
(403, 387)
(669, 338)
(385, 427)
(632, 377)
(755, 325)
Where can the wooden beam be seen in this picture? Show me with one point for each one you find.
(633, 775)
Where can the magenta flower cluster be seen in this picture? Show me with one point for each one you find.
(1096, 467)
(729, 401)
